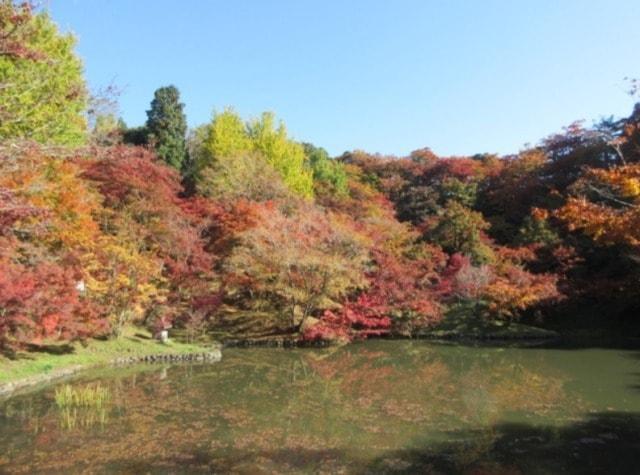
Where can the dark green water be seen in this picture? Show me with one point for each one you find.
(375, 407)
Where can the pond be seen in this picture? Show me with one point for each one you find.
(372, 407)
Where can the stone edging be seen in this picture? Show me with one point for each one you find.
(6, 389)
(211, 356)
(276, 343)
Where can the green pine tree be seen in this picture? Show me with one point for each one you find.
(167, 126)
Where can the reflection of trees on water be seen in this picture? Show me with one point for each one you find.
(342, 407)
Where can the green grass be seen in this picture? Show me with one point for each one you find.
(134, 342)
(462, 322)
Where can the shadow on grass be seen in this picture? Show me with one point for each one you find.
(31, 349)
(135, 338)
(51, 349)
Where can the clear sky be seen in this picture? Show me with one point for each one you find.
(388, 76)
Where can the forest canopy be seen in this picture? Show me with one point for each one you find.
(236, 227)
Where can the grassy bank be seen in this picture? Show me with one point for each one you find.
(462, 322)
(49, 359)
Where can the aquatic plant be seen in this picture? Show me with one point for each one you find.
(96, 396)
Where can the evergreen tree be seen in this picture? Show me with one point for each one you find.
(167, 126)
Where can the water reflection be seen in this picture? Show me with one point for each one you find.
(85, 418)
(368, 408)
(82, 406)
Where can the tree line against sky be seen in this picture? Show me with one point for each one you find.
(235, 227)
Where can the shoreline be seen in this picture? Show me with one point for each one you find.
(9, 388)
(138, 347)
(59, 360)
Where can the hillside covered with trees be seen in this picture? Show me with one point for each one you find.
(236, 228)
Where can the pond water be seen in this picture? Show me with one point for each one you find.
(373, 407)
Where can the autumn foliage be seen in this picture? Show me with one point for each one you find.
(607, 206)
(242, 230)
(95, 239)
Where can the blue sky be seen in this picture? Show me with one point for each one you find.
(391, 76)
